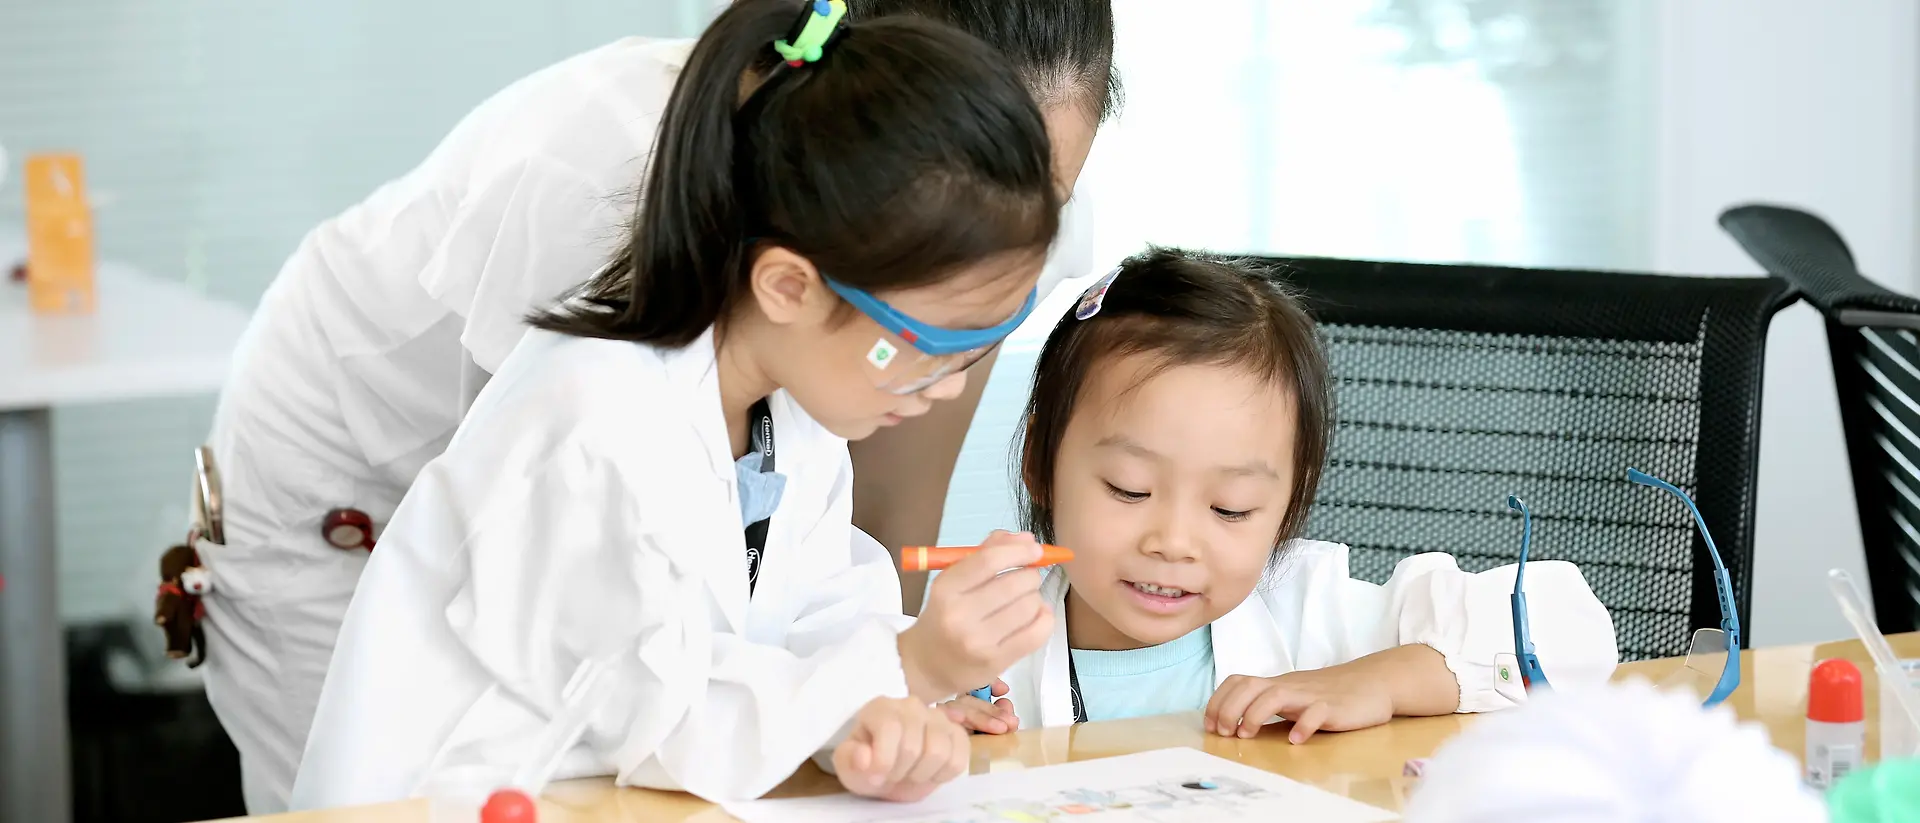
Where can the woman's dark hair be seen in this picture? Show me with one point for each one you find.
(1182, 308)
(1063, 48)
(910, 150)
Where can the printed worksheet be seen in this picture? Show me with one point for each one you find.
(1164, 786)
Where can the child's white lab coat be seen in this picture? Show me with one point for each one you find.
(376, 336)
(589, 503)
(1310, 614)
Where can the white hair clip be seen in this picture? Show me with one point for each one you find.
(1091, 299)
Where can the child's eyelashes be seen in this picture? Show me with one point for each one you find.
(1130, 496)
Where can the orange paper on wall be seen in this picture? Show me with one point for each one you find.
(59, 235)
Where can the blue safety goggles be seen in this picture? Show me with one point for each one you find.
(1713, 655)
(913, 355)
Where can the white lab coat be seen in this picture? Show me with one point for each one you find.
(589, 503)
(1310, 614)
(375, 338)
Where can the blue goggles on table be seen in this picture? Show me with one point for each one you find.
(911, 355)
(1712, 654)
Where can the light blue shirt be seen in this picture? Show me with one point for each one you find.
(1175, 676)
(759, 491)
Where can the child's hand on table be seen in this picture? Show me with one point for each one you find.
(1407, 681)
(1329, 699)
(978, 715)
(900, 750)
(977, 622)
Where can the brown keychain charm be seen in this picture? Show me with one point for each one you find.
(177, 609)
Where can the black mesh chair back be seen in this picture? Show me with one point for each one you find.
(1457, 385)
(1876, 372)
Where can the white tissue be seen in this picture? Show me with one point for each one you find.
(1619, 752)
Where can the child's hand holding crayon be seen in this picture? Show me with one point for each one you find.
(977, 622)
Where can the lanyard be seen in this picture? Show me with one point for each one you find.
(1073, 688)
(759, 436)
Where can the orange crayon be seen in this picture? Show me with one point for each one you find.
(935, 558)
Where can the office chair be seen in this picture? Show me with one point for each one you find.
(1876, 372)
(1456, 385)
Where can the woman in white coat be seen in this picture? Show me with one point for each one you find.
(387, 321)
(1174, 440)
(658, 476)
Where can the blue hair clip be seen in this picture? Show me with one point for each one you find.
(1096, 294)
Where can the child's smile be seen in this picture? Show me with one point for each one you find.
(1161, 599)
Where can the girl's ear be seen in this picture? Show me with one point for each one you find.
(786, 285)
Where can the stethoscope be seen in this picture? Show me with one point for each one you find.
(347, 529)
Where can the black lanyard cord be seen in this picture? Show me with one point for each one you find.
(1073, 687)
(760, 436)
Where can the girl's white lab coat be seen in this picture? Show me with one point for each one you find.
(1310, 614)
(587, 504)
(376, 336)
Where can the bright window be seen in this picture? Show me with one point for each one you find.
(1447, 130)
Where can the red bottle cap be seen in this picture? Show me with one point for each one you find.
(1834, 693)
(509, 806)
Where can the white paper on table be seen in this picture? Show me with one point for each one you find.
(1164, 786)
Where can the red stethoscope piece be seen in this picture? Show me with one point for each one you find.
(347, 529)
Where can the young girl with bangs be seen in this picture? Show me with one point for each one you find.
(1174, 440)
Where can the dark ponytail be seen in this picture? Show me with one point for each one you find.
(906, 153)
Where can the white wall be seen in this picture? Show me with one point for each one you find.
(1809, 104)
(220, 131)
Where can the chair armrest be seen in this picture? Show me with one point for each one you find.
(1805, 251)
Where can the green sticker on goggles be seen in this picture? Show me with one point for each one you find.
(881, 355)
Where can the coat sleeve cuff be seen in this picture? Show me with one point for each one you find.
(1487, 685)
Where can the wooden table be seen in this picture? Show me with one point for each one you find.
(1364, 765)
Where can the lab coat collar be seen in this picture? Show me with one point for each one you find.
(1056, 684)
(1247, 640)
(696, 367)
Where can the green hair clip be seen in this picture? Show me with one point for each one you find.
(816, 27)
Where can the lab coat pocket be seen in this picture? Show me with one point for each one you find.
(246, 639)
(305, 584)
(278, 609)
(244, 571)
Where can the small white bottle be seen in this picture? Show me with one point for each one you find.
(1836, 722)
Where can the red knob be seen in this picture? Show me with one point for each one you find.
(509, 806)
